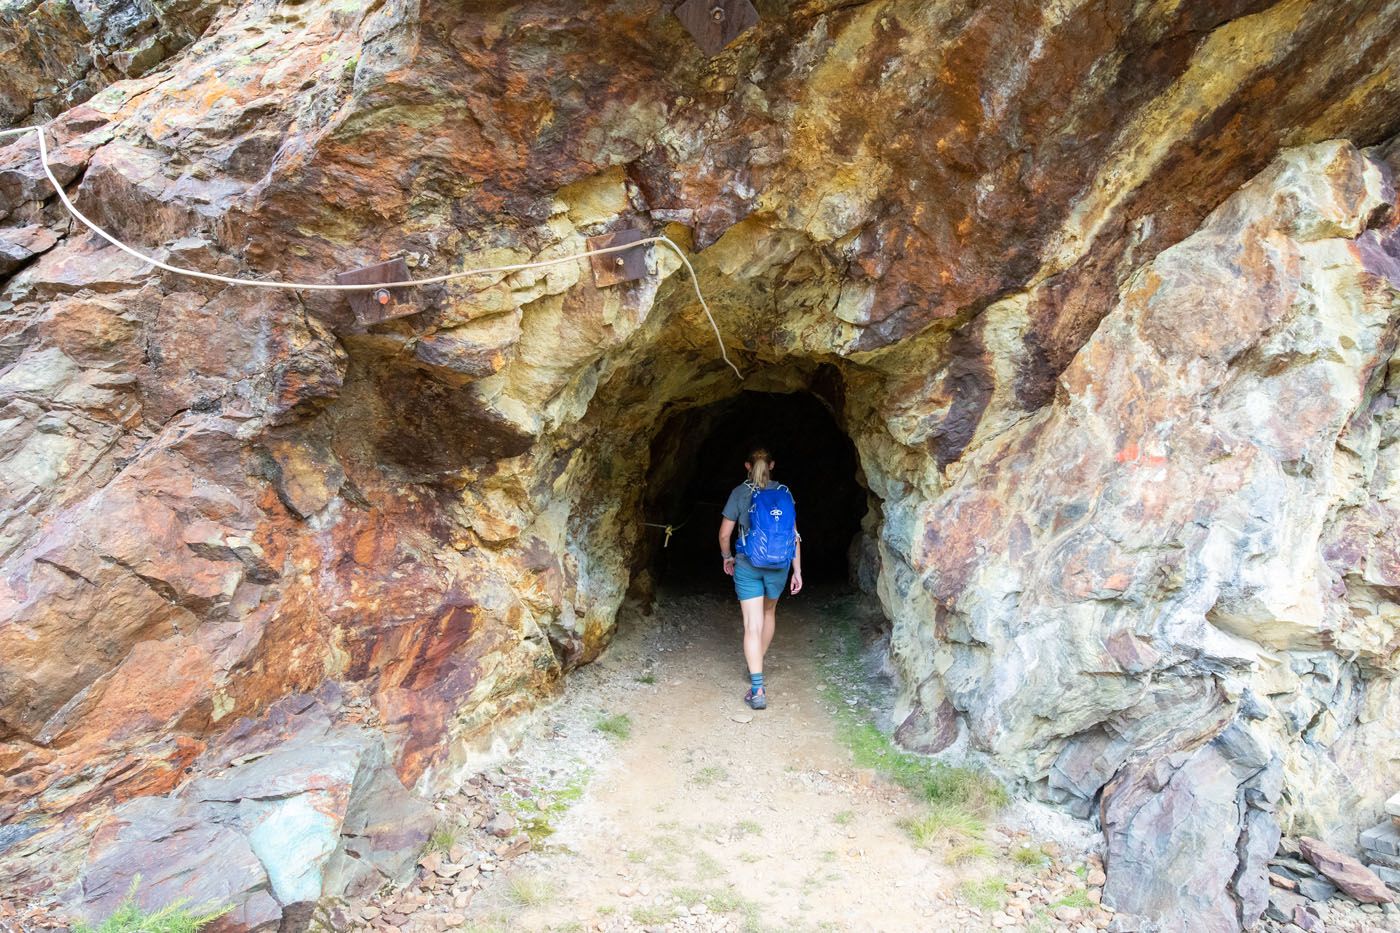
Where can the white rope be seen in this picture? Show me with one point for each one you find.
(38, 131)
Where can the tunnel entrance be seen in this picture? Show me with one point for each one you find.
(698, 457)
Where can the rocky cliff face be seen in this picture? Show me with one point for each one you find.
(1105, 294)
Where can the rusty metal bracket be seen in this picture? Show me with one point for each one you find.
(382, 304)
(716, 23)
(624, 266)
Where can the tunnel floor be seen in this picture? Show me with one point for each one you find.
(757, 815)
(658, 793)
(698, 458)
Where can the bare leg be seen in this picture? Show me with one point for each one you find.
(754, 644)
(770, 620)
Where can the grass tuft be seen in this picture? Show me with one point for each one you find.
(654, 915)
(967, 850)
(710, 775)
(706, 866)
(985, 895)
(1078, 899)
(618, 726)
(1029, 856)
(444, 837)
(943, 823)
(844, 818)
(529, 890)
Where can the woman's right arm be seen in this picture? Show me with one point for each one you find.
(726, 529)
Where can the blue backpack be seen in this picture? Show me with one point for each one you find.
(771, 540)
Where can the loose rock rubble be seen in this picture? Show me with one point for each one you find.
(1303, 895)
(477, 838)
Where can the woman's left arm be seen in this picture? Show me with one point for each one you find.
(796, 585)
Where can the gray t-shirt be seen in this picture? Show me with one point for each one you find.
(736, 508)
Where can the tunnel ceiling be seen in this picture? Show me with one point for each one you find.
(1102, 293)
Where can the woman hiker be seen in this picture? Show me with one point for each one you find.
(767, 546)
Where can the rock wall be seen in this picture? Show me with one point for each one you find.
(1117, 369)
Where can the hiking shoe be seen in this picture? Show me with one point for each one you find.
(757, 699)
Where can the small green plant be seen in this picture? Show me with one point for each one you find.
(607, 910)
(668, 845)
(1029, 856)
(707, 867)
(444, 837)
(712, 774)
(748, 828)
(942, 822)
(1075, 899)
(654, 915)
(985, 895)
(536, 814)
(844, 818)
(529, 890)
(618, 726)
(967, 850)
(647, 679)
(175, 917)
(729, 902)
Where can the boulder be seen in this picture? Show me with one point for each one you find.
(177, 851)
(1347, 873)
(319, 813)
(1188, 802)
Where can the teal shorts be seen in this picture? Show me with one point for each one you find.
(751, 581)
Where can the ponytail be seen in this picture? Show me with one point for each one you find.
(759, 461)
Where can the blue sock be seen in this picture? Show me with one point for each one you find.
(755, 682)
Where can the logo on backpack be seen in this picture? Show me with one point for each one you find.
(771, 540)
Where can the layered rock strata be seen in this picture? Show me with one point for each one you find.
(1119, 374)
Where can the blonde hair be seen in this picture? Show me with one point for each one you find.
(759, 464)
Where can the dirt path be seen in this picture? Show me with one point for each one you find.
(656, 800)
(710, 802)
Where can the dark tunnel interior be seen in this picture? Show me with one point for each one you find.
(698, 457)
